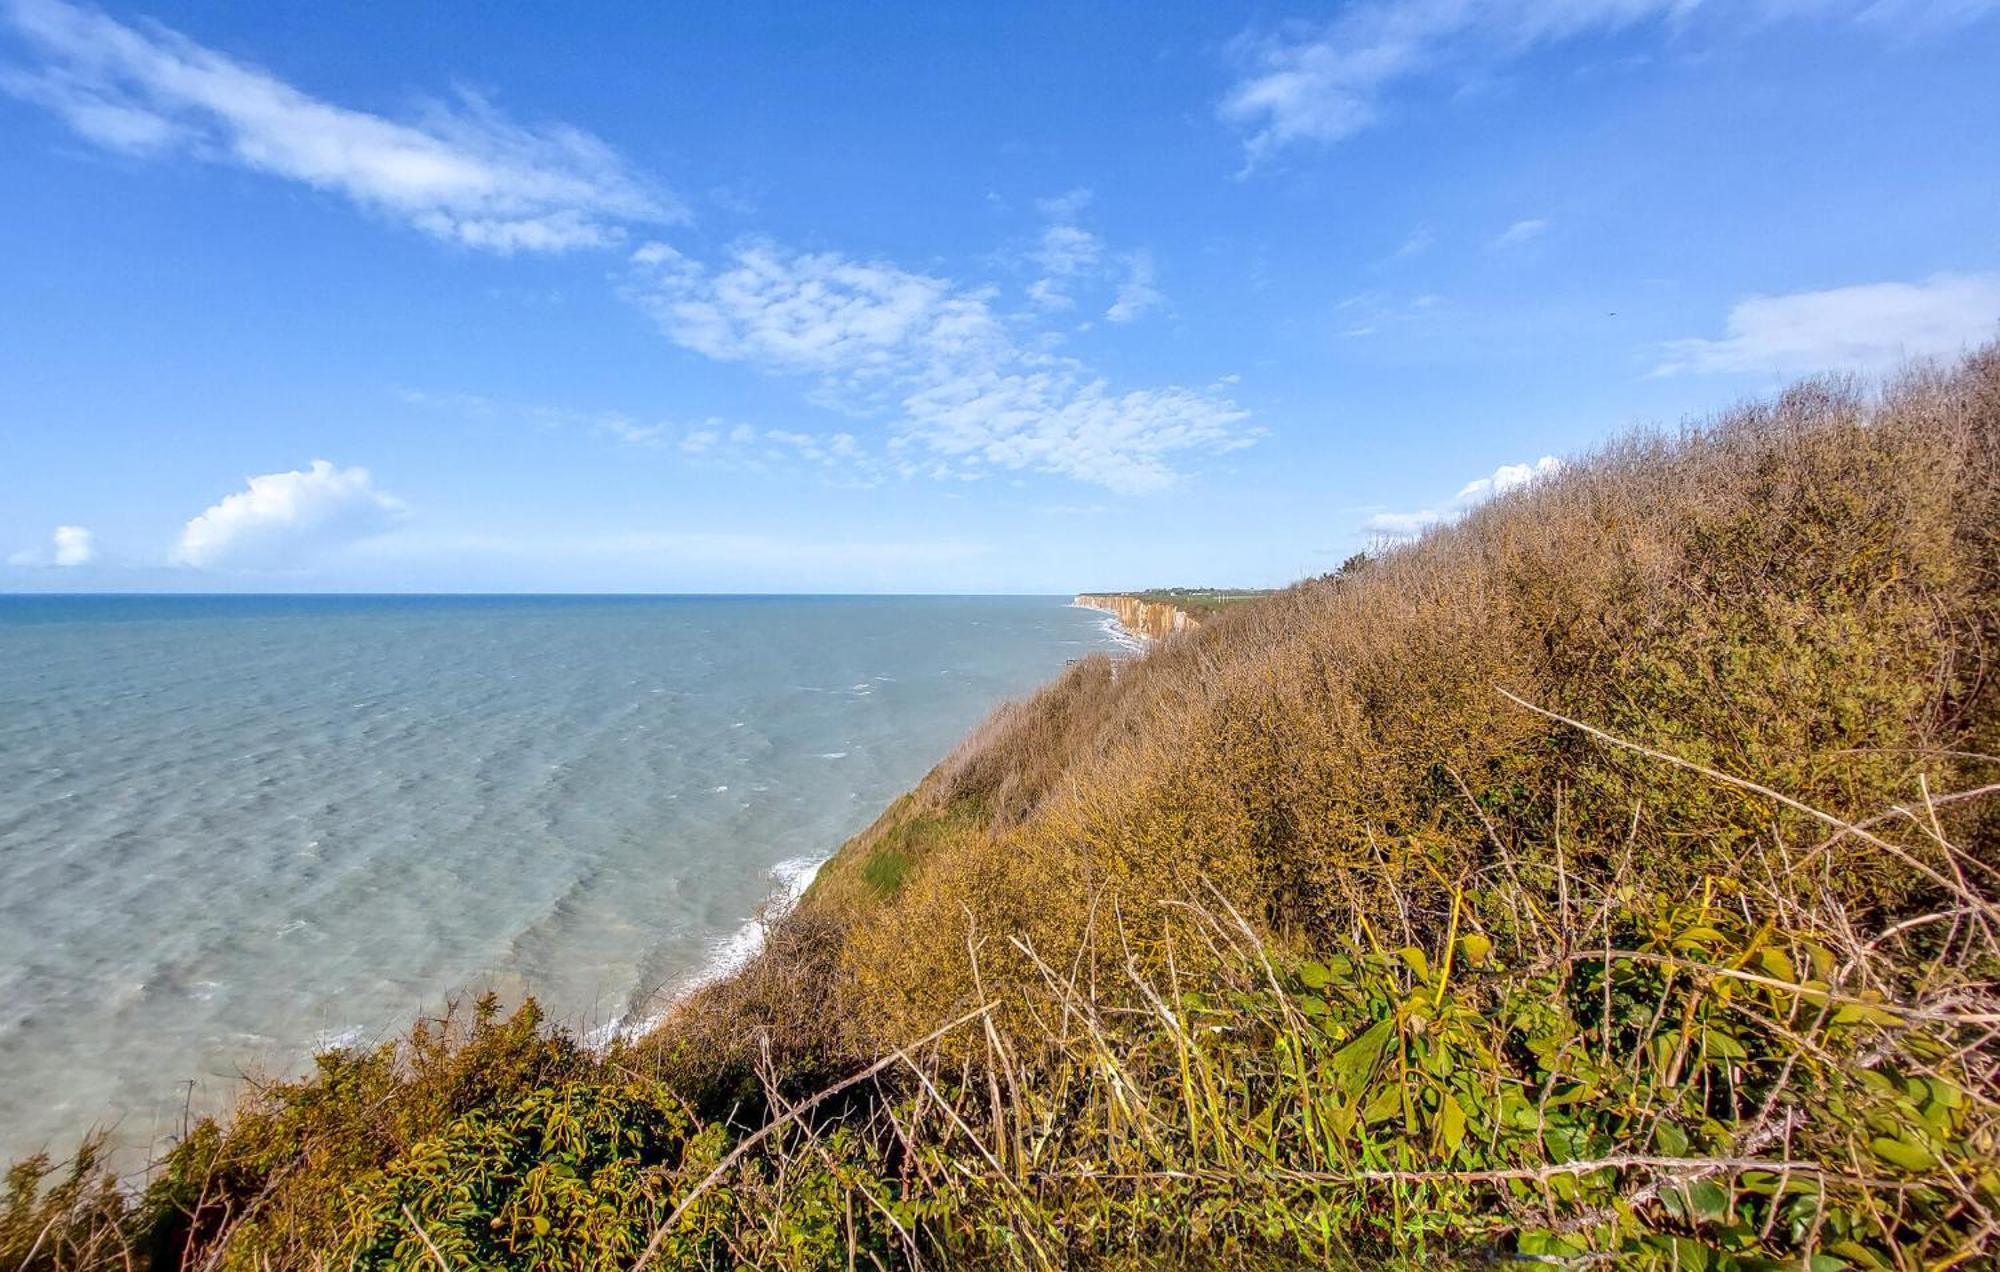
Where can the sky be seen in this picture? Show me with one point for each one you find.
(764, 297)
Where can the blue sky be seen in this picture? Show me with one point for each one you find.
(771, 297)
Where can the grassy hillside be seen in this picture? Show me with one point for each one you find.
(1607, 872)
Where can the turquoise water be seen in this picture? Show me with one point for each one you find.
(235, 829)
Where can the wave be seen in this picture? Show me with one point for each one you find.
(726, 956)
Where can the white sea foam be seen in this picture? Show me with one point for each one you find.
(1114, 631)
(1122, 636)
(726, 956)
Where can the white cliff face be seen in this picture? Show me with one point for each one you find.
(1150, 619)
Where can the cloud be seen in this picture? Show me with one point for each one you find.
(1419, 242)
(68, 547)
(1137, 295)
(1408, 525)
(1321, 84)
(1068, 250)
(967, 394)
(839, 457)
(74, 545)
(283, 520)
(1372, 312)
(1869, 327)
(1520, 232)
(1066, 206)
(1069, 258)
(1507, 477)
(1401, 525)
(462, 173)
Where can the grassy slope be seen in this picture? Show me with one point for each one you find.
(1324, 931)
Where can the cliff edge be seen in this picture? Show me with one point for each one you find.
(1141, 617)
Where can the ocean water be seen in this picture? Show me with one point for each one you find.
(237, 829)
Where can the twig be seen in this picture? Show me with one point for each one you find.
(764, 1132)
(1981, 907)
(425, 1237)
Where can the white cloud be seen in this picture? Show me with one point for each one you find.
(1867, 328)
(68, 547)
(1371, 312)
(1408, 525)
(968, 394)
(1071, 259)
(1066, 206)
(838, 458)
(463, 173)
(633, 434)
(1419, 242)
(1048, 294)
(1137, 295)
(1401, 525)
(282, 520)
(1507, 477)
(1521, 232)
(1325, 83)
(74, 545)
(1068, 250)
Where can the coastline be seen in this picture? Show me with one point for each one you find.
(793, 879)
(1126, 640)
(1135, 621)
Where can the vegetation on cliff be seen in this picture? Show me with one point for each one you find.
(1605, 874)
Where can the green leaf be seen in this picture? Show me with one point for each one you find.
(1718, 1045)
(1902, 1153)
(1672, 1140)
(1354, 1062)
(1314, 975)
(1777, 963)
(1388, 1103)
(1451, 1122)
(1550, 1243)
(1708, 1200)
(1865, 1013)
(1476, 946)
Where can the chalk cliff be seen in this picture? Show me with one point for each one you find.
(1150, 619)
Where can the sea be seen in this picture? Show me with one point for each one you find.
(236, 830)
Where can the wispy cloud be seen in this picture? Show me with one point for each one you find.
(1521, 232)
(1064, 250)
(1408, 525)
(284, 520)
(68, 547)
(1864, 328)
(461, 172)
(1321, 84)
(1138, 295)
(838, 457)
(1371, 313)
(1420, 241)
(1070, 259)
(968, 394)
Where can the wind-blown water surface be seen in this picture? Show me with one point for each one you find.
(236, 828)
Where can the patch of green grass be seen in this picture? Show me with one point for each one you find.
(885, 869)
(1201, 602)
